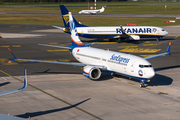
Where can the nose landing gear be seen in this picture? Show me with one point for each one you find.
(142, 83)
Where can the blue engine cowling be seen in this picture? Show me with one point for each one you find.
(92, 72)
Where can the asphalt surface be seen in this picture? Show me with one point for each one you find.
(23, 41)
(62, 92)
(106, 15)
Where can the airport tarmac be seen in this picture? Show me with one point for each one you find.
(101, 15)
(62, 92)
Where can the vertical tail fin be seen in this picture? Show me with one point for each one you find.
(65, 17)
(76, 42)
(102, 9)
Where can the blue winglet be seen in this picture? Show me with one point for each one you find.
(168, 49)
(17, 90)
(13, 56)
(12, 53)
(25, 80)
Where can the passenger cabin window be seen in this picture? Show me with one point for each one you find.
(145, 66)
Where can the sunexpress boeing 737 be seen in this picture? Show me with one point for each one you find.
(112, 32)
(95, 60)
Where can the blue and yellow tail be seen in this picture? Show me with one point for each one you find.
(76, 42)
(65, 17)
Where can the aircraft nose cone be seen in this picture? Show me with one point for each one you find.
(166, 33)
(151, 73)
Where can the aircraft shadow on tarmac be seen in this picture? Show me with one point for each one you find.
(104, 75)
(131, 41)
(5, 83)
(34, 114)
(159, 80)
(165, 68)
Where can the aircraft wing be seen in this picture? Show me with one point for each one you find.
(55, 62)
(17, 90)
(127, 36)
(158, 55)
(44, 61)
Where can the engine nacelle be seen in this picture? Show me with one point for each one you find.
(92, 72)
(134, 37)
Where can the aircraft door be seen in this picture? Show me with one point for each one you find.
(157, 31)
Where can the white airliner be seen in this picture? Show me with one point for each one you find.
(92, 12)
(97, 60)
(112, 32)
(17, 90)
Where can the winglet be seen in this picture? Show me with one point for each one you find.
(168, 49)
(17, 90)
(25, 80)
(13, 56)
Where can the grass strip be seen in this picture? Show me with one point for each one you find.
(86, 3)
(142, 9)
(86, 20)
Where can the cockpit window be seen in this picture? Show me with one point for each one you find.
(163, 30)
(145, 66)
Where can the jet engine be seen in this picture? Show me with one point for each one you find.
(134, 37)
(92, 72)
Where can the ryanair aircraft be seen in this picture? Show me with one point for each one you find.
(96, 61)
(110, 32)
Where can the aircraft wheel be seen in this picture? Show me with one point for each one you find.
(111, 40)
(142, 85)
(118, 41)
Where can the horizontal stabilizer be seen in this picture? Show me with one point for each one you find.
(91, 44)
(55, 46)
(58, 27)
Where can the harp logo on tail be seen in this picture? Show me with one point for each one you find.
(66, 18)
